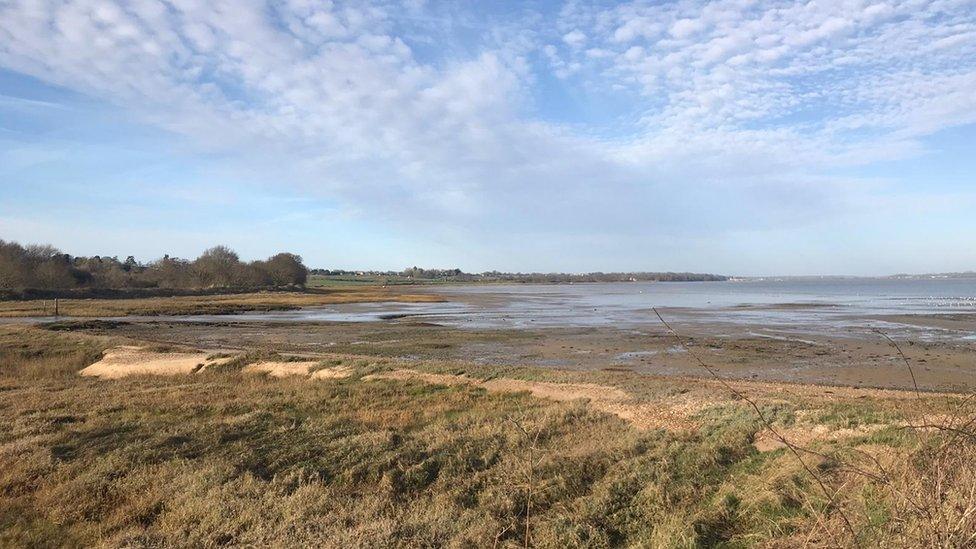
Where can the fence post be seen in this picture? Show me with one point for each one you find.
(56, 313)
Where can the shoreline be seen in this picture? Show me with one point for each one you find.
(858, 362)
(806, 343)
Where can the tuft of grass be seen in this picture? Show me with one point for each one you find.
(841, 415)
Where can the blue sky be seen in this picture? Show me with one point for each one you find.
(729, 136)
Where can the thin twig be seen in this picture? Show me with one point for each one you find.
(529, 473)
(908, 364)
(941, 428)
(795, 450)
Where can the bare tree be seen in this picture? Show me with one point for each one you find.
(217, 266)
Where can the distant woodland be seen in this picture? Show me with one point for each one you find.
(456, 275)
(44, 267)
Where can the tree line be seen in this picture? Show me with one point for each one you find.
(48, 268)
(456, 275)
(553, 278)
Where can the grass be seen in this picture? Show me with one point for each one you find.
(208, 304)
(224, 458)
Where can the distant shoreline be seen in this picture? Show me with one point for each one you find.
(931, 276)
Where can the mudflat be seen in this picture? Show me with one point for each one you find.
(782, 332)
(858, 360)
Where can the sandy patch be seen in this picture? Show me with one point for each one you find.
(131, 360)
(558, 391)
(128, 360)
(766, 441)
(612, 400)
(413, 375)
(338, 372)
(673, 416)
(541, 389)
(281, 369)
(299, 368)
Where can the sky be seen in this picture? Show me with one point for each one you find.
(727, 136)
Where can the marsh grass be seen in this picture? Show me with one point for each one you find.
(208, 304)
(28, 354)
(239, 361)
(222, 458)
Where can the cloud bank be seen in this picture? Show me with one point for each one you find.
(466, 122)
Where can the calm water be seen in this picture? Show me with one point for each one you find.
(825, 306)
(790, 307)
(777, 306)
(858, 296)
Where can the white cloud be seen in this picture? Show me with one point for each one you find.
(364, 102)
(683, 28)
(825, 83)
(574, 38)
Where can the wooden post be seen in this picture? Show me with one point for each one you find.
(56, 307)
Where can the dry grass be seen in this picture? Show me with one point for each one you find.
(227, 458)
(30, 355)
(209, 304)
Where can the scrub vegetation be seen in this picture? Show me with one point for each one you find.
(42, 267)
(224, 457)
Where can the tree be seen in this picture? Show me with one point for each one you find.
(14, 271)
(286, 269)
(53, 275)
(217, 266)
(170, 272)
(254, 275)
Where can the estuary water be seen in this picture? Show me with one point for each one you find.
(921, 308)
(829, 306)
